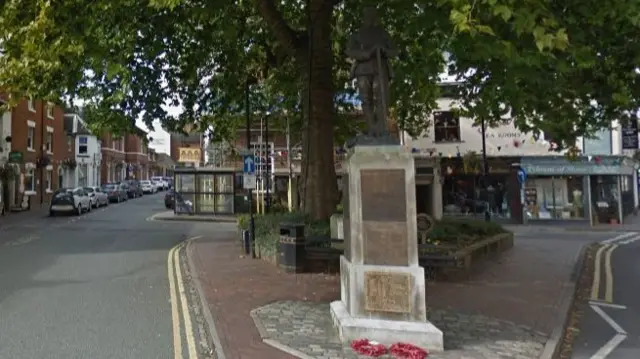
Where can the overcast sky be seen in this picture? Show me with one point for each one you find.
(160, 137)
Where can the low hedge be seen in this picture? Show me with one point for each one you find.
(457, 230)
(268, 228)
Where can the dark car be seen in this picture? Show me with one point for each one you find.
(116, 192)
(169, 199)
(134, 190)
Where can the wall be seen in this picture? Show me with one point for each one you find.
(44, 179)
(89, 162)
(504, 140)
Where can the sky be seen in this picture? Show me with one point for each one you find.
(161, 138)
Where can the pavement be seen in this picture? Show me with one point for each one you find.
(95, 286)
(515, 305)
(609, 328)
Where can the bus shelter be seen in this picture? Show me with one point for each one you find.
(208, 191)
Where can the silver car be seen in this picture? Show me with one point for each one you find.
(96, 196)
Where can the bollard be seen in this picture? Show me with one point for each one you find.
(292, 251)
(246, 242)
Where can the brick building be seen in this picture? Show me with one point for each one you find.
(192, 140)
(34, 144)
(124, 157)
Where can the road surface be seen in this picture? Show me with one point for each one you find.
(610, 328)
(94, 286)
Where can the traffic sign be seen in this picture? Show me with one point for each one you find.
(249, 181)
(522, 176)
(249, 165)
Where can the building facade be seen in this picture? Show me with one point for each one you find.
(597, 184)
(84, 166)
(34, 145)
(124, 157)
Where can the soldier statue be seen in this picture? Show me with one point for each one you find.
(371, 48)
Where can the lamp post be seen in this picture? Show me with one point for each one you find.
(252, 225)
(485, 168)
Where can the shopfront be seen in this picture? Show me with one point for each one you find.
(205, 191)
(594, 188)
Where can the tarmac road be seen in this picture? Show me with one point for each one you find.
(89, 287)
(610, 328)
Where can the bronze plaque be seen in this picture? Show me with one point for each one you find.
(384, 196)
(385, 243)
(387, 292)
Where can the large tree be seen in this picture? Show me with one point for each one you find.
(561, 67)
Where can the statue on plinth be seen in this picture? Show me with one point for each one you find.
(371, 49)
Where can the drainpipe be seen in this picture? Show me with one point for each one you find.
(42, 150)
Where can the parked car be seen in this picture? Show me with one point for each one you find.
(147, 187)
(169, 199)
(160, 183)
(116, 192)
(70, 200)
(134, 190)
(97, 197)
(169, 182)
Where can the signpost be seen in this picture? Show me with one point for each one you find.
(249, 172)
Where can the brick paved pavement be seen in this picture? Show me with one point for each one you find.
(525, 286)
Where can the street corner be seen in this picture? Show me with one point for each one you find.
(171, 216)
(194, 335)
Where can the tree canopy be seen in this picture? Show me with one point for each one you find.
(562, 67)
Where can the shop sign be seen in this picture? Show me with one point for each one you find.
(575, 169)
(15, 157)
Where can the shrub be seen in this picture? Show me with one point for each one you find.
(455, 229)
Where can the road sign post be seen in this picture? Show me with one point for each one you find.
(249, 183)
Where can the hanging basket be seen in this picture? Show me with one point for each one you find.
(69, 163)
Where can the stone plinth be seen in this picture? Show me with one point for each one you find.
(382, 284)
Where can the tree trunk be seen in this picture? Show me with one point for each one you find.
(319, 187)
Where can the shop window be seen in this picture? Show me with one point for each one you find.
(446, 126)
(559, 197)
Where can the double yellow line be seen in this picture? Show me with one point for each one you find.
(180, 315)
(605, 250)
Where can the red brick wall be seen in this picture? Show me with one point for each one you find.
(21, 115)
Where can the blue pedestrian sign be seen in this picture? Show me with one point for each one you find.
(249, 164)
(522, 176)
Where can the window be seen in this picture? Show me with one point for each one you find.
(48, 180)
(49, 140)
(83, 145)
(31, 104)
(50, 110)
(31, 135)
(82, 175)
(29, 181)
(446, 126)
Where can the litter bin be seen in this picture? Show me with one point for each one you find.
(292, 252)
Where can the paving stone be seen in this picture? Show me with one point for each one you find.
(308, 328)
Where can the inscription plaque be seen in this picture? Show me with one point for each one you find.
(384, 196)
(346, 217)
(387, 292)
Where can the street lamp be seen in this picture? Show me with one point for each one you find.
(485, 166)
(247, 109)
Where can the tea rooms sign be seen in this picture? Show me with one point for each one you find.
(189, 155)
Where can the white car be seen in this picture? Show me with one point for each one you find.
(148, 187)
(70, 200)
(159, 182)
(97, 197)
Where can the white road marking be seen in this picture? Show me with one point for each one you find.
(608, 319)
(619, 237)
(608, 305)
(611, 345)
(628, 241)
